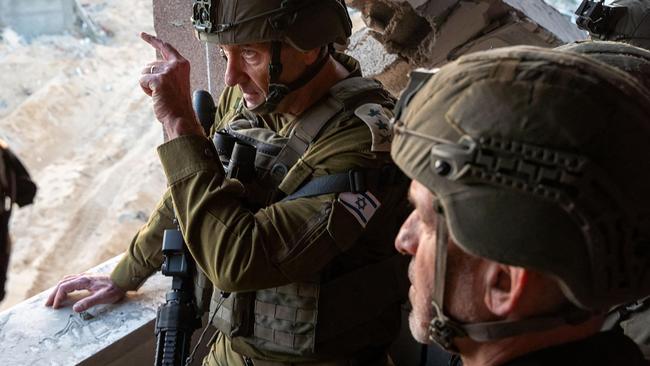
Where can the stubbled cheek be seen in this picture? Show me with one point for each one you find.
(420, 298)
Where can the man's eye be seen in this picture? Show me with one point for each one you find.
(248, 54)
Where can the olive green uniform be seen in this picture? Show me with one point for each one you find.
(306, 240)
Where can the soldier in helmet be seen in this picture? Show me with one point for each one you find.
(530, 216)
(305, 246)
(16, 186)
(623, 21)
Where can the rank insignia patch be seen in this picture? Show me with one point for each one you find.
(373, 115)
(361, 205)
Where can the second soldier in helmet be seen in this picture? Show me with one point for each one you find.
(531, 216)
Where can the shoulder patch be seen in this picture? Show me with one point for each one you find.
(361, 205)
(374, 116)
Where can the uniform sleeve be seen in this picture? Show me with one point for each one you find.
(240, 250)
(144, 255)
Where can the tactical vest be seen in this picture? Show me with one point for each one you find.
(299, 318)
(16, 186)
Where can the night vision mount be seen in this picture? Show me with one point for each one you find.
(201, 15)
(597, 18)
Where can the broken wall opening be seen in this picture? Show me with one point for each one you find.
(429, 33)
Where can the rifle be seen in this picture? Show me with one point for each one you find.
(177, 318)
(180, 315)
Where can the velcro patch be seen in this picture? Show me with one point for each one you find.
(373, 115)
(361, 205)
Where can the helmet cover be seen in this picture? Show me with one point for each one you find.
(304, 24)
(539, 160)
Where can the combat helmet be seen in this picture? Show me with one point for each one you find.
(303, 24)
(537, 158)
(623, 20)
(631, 59)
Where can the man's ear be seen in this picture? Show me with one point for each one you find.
(311, 56)
(504, 286)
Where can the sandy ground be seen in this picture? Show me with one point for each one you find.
(73, 111)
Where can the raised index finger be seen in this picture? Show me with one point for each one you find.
(167, 51)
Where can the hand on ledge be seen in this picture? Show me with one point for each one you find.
(103, 291)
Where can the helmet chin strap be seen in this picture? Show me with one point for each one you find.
(443, 330)
(277, 91)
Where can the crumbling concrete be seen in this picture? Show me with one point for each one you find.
(429, 33)
(405, 34)
(45, 17)
(377, 62)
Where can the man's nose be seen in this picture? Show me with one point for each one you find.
(406, 241)
(234, 74)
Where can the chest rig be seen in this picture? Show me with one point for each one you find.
(285, 320)
(261, 159)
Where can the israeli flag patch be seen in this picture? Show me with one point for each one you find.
(361, 205)
(373, 115)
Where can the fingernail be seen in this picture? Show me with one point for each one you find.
(77, 308)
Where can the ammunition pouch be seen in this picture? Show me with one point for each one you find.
(305, 319)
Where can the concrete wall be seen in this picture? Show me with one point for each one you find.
(172, 22)
(36, 17)
(430, 33)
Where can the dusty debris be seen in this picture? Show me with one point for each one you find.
(430, 33)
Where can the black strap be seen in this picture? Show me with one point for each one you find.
(311, 71)
(275, 67)
(352, 181)
(623, 312)
(355, 181)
